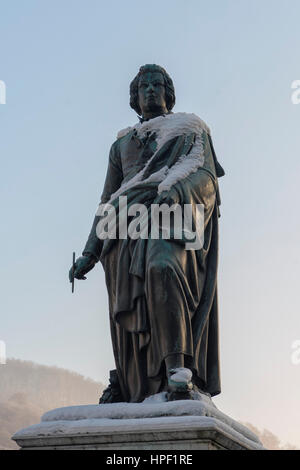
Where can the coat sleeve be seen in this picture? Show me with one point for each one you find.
(113, 180)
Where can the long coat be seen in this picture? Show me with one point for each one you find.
(162, 297)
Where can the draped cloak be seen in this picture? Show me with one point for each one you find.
(162, 297)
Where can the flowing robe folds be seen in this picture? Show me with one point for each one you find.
(162, 297)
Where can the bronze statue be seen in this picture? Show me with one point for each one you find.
(162, 297)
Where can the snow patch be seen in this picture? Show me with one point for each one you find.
(181, 374)
(157, 398)
(124, 132)
(166, 128)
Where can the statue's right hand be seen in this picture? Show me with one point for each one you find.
(83, 265)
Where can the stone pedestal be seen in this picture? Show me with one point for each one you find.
(151, 425)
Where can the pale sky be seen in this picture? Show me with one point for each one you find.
(67, 66)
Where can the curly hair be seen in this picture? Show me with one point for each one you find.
(134, 87)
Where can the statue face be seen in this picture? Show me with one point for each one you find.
(152, 94)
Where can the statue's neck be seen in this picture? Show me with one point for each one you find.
(148, 116)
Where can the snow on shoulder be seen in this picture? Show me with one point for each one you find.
(165, 128)
(177, 123)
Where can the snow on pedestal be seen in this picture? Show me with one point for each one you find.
(154, 424)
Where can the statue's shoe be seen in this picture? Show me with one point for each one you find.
(180, 385)
(112, 394)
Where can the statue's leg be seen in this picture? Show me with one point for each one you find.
(174, 361)
(171, 301)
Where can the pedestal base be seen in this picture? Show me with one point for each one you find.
(151, 425)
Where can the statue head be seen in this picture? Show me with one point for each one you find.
(152, 91)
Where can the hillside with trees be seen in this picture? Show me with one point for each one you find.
(28, 390)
